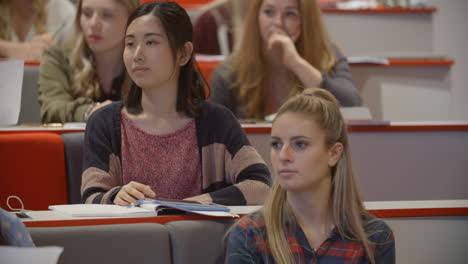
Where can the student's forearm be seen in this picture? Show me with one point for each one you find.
(307, 74)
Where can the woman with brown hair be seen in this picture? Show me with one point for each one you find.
(314, 213)
(283, 49)
(28, 27)
(88, 73)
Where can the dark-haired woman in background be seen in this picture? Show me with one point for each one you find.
(165, 141)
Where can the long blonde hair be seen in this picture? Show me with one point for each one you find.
(85, 80)
(250, 67)
(6, 18)
(347, 207)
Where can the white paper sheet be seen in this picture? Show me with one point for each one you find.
(11, 83)
(27, 255)
(99, 210)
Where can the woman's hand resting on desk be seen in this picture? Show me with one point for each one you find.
(133, 191)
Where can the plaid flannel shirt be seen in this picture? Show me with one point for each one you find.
(247, 244)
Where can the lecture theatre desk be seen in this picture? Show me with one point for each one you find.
(392, 161)
(387, 209)
(425, 232)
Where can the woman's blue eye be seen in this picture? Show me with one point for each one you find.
(276, 145)
(300, 144)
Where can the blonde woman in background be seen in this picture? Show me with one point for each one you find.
(218, 27)
(284, 48)
(88, 73)
(315, 213)
(28, 27)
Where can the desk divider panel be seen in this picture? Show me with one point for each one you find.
(32, 167)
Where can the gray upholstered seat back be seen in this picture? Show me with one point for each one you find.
(198, 241)
(73, 144)
(127, 243)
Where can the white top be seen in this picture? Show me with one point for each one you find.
(59, 12)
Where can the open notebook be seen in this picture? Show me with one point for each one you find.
(143, 208)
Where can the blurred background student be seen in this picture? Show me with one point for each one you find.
(284, 48)
(315, 213)
(219, 26)
(28, 27)
(87, 73)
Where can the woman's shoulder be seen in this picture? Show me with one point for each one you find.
(59, 53)
(213, 111)
(225, 72)
(251, 223)
(107, 116)
(110, 109)
(55, 60)
(337, 51)
(226, 64)
(378, 230)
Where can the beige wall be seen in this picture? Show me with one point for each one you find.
(409, 93)
(451, 37)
